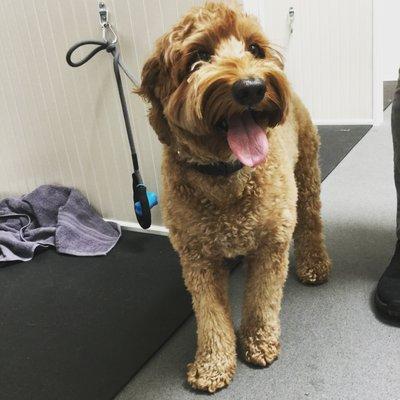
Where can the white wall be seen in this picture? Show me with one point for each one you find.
(63, 125)
(329, 56)
(390, 43)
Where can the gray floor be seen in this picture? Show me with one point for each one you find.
(333, 346)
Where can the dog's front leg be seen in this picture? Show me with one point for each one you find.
(215, 362)
(260, 328)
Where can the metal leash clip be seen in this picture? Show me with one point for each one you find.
(109, 34)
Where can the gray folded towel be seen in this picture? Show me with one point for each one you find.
(53, 216)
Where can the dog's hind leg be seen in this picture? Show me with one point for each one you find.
(215, 361)
(312, 261)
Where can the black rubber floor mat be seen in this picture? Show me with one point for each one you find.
(78, 328)
(336, 142)
(389, 88)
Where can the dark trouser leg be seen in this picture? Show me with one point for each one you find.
(387, 297)
(396, 148)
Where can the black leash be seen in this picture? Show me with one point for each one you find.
(143, 200)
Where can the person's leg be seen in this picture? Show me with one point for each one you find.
(388, 291)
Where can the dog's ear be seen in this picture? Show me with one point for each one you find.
(153, 76)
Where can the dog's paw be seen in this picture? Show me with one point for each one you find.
(260, 349)
(211, 373)
(314, 272)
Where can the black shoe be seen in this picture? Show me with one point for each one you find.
(387, 296)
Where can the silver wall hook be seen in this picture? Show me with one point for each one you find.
(109, 34)
(103, 13)
(291, 19)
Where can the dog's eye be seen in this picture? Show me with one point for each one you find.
(199, 55)
(203, 55)
(256, 50)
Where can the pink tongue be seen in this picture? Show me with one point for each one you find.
(247, 140)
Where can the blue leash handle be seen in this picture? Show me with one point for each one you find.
(144, 201)
(152, 200)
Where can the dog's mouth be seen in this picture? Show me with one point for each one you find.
(246, 138)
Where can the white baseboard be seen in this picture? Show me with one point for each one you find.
(343, 122)
(134, 226)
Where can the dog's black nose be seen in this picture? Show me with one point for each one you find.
(249, 92)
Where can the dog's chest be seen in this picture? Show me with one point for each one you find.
(231, 219)
(232, 234)
(240, 228)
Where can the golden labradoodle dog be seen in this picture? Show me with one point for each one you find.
(241, 177)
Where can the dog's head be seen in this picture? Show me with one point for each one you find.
(215, 85)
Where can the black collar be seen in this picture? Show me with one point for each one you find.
(217, 169)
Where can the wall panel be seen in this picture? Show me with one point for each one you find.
(328, 57)
(63, 125)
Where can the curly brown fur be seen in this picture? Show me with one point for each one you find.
(252, 212)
